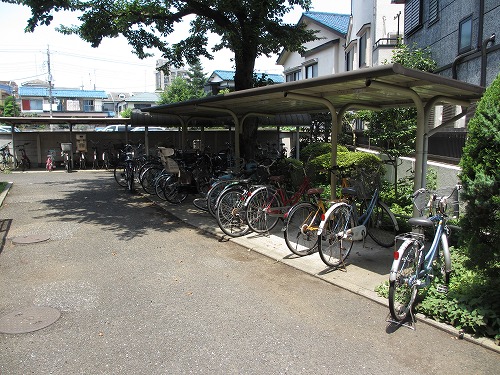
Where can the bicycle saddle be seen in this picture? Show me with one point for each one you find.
(420, 222)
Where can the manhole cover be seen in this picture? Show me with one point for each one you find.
(32, 238)
(28, 320)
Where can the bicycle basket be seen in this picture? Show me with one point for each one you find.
(365, 182)
(444, 200)
(66, 147)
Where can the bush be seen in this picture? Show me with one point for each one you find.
(480, 178)
(313, 150)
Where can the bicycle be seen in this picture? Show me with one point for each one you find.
(7, 160)
(82, 160)
(352, 219)
(417, 260)
(50, 163)
(66, 150)
(95, 161)
(267, 204)
(301, 223)
(25, 162)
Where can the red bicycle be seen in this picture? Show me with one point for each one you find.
(267, 204)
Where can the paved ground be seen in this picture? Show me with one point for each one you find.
(367, 267)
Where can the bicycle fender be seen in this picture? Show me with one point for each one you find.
(327, 215)
(397, 259)
(254, 191)
(446, 252)
(393, 218)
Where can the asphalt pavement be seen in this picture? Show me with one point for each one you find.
(367, 267)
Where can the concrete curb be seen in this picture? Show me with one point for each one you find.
(5, 192)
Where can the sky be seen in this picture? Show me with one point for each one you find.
(112, 66)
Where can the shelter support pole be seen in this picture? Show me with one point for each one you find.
(237, 129)
(334, 131)
(420, 158)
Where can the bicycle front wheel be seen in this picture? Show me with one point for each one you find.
(148, 179)
(301, 229)
(231, 213)
(382, 226)
(403, 290)
(334, 243)
(213, 195)
(263, 210)
(119, 173)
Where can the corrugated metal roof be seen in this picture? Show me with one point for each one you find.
(62, 93)
(228, 75)
(337, 22)
(150, 97)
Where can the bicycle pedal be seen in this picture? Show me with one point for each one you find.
(442, 288)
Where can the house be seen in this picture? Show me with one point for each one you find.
(224, 79)
(323, 56)
(460, 35)
(137, 100)
(374, 30)
(347, 42)
(6, 89)
(35, 98)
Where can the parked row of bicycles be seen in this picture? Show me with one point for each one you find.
(255, 200)
(8, 161)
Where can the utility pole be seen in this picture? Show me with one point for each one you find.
(50, 81)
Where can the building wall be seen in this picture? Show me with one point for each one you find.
(442, 37)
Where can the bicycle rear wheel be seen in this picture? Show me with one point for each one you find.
(382, 226)
(174, 191)
(213, 194)
(403, 290)
(201, 203)
(334, 243)
(231, 214)
(263, 210)
(301, 229)
(148, 179)
(119, 173)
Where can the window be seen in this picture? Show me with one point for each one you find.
(465, 35)
(88, 106)
(413, 15)
(362, 50)
(348, 60)
(433, 11)
(311, 71)
(296, 75)
(36, 104)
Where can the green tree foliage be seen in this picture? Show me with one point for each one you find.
(126, 113)
(182, 89)
(178, 91)
(249, 28)
(11, 108)
(394, 130)
(480, 177)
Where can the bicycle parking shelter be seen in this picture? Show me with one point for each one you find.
(377, 88)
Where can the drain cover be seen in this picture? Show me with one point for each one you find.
(32, 238)
(28, 320)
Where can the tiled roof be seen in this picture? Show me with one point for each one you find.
(62, 93)
(228, 75)
(337, 22)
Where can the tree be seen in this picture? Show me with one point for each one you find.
(249, 28)
(394, 130)
(11, 108)
(182, 89)
(480, 178)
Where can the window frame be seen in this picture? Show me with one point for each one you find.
(464, 21)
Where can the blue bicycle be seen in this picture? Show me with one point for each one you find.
(359, 214)
(417, 261)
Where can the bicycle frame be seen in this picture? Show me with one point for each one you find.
(422, 278)
(284, 199)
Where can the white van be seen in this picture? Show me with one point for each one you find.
(114, 128)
